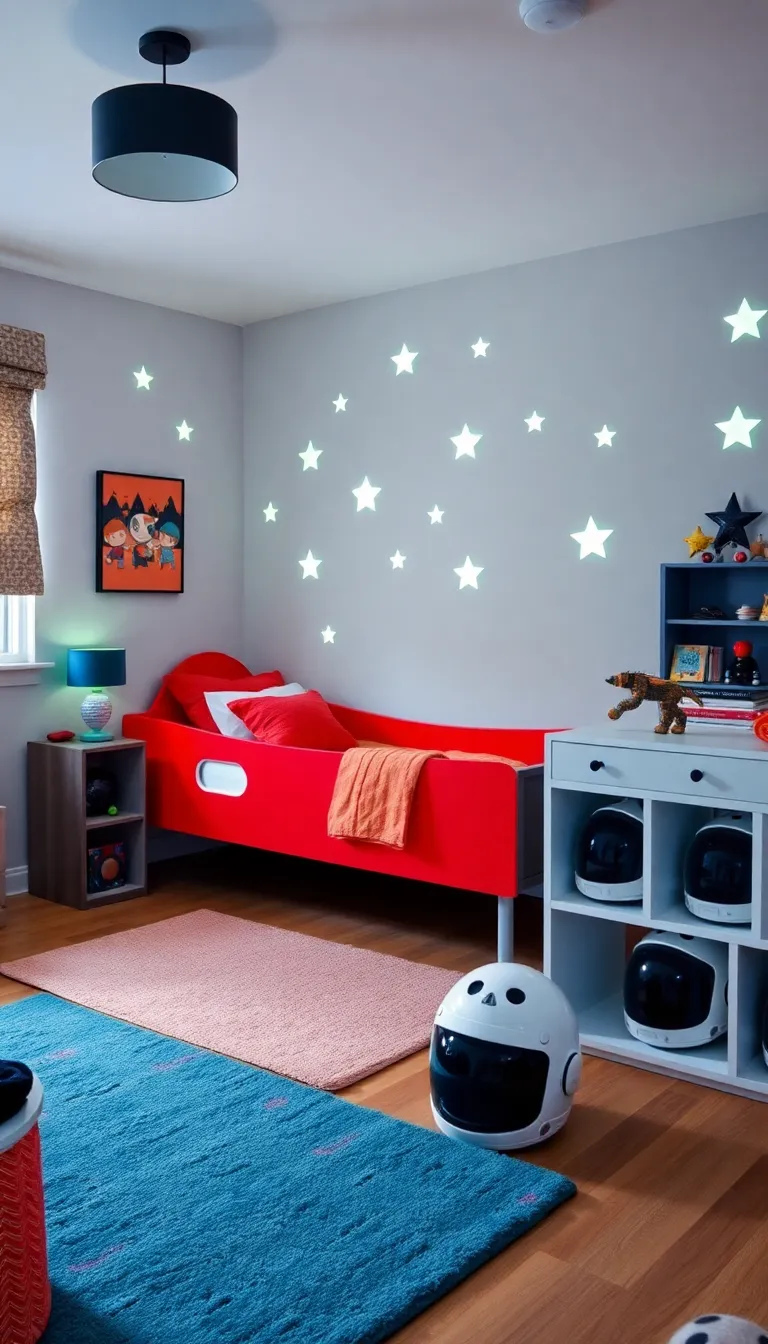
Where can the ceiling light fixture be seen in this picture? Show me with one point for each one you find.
(164, 142)
(551, 16)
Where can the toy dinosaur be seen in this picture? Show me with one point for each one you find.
(667, 694)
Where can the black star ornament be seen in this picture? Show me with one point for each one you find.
(731, 522)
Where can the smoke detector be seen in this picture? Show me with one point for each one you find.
(551, 16)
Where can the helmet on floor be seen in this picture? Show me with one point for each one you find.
(609, 853)
(504, 1061)
(676, 990)
(717, 874)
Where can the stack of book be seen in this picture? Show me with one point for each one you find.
(726, 707)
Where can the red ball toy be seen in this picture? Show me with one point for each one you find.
(742, 648)
(740, 557)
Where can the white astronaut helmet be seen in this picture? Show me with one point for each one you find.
(504, 1060)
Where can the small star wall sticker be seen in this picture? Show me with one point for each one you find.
(404, 361)
(398, 560)
(745, 321)
(466, 442)
(328, 634)
(365, 495)
(309, 456)
(309, 566)
(270, 513)
(698, 541)
(468, 574)
(592, 540)
(737, 430)
(605, 437)
(143, 379)
(480, 348)
(341, 403)
(435, 515)
(184, 430)
(534, 422)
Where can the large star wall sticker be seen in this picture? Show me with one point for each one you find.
(592, 540)
(465, 442)
(731, 522)
(737, 430)
(745, 321)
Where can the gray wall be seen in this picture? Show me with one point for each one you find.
(91, 416)
(631, 335)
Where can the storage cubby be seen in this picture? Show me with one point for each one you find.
(687, 587)
(587, 943)
(569, 810)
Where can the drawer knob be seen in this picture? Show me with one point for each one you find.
(697, 775)
(595, 765)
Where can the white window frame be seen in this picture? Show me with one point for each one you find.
(18, 665)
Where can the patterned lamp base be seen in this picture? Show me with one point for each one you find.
(96, 711)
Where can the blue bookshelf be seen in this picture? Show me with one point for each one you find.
(688, 586)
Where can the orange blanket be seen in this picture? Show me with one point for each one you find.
(375, 788)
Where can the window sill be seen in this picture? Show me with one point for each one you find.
(22, 674)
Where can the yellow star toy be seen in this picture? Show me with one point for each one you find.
(697, 541)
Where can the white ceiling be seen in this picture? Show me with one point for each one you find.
(382, 142)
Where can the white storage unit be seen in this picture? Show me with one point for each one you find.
(683, 782)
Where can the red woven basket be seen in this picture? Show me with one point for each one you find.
(25, 1290)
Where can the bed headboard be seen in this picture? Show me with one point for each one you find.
(204, 664)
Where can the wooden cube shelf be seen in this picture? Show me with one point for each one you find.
(60, 832)
(682, 782)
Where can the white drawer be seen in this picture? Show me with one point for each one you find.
(732, 780)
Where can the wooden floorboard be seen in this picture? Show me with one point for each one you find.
(671, 1219)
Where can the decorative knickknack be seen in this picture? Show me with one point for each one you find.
(22, 372)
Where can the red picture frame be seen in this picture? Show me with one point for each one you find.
(139, 533)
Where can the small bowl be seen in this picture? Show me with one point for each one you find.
(747, 613)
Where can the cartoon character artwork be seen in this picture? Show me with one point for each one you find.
(139, 533)
(666, 694)
(115, 536)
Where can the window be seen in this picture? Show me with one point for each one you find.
(17, 630)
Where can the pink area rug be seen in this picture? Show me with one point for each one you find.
(323, 1013)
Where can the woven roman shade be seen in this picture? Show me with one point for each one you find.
(22, 372)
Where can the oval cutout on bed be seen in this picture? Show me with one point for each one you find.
(225, 777)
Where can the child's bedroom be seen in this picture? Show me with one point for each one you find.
(384, 672)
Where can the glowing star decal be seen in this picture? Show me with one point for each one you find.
(465, 442)
(698, 541)
(480, 347)
(534, 422)
(745, 322)
(404, 361)
(468, 574)
(328, 635)
(310, 566)
(436, 515)
(309, 456)
(341, 403)
(143, 379)
(398, 560)
(737, 430)
(592, 539)
(365, 495)
(605, 437)
(270, 513)
(184, 431)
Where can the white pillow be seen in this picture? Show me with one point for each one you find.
(218, 703)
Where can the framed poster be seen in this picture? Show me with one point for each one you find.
(139, 533)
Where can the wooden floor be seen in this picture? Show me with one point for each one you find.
(671, 1218)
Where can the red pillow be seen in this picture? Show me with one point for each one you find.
(188, 690)
(294, 721)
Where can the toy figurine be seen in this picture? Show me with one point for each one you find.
(744, 671)
(764, 612)
(697, 541)
(667, 694)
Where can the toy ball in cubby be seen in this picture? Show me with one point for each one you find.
(676, 991)
(504, 1061)
(717, 870)
(609, 853)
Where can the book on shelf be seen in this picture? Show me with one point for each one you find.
(724, 716)
(715, 663)
(689, 662)
(725, 726)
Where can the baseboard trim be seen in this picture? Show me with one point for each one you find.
(17, 881)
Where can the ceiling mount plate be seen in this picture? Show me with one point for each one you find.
(164, 47)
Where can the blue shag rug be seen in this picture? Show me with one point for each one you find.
(194, 1200)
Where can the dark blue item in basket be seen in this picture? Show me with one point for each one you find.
(15, 1086)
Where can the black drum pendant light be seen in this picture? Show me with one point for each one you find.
(164, 142)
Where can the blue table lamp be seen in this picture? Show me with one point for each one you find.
(96, 668)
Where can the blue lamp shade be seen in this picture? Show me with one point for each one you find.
(96, 668)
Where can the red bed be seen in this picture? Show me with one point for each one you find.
(475, 824)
